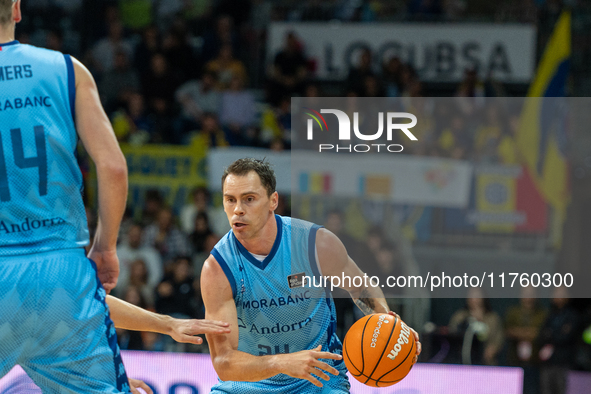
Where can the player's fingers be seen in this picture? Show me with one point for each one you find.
(192, 339)
(419, 348)
(324, 366)
(416, 334)
(313, 380)
(394, 314)
(328, 355)
(145, 387)
(210, 327)
(321, 374)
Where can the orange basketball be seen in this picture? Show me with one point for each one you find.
(379, 350)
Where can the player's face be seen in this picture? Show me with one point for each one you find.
(247, 204)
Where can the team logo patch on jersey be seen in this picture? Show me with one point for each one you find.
(296, 280)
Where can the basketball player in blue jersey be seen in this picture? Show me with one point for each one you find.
(280, 330)
(54, 320)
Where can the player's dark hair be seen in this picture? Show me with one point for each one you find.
(263, 169)
(5, 11)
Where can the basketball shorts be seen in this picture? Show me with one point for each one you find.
(55, 324)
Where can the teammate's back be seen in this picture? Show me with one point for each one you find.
(40, 181)
(55, 321)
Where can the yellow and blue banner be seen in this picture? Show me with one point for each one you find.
(172, 169)
(541, 139)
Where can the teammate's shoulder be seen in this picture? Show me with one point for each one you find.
(40, 50)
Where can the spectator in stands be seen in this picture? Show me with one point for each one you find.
(153, 203)
(408, 79)
(131, 340)
(385, 262)
(103, 53)
(238, 114)
(391, 77)
(118, 84)
(283, 206)
(374, 239)
(312, 90)
(55, 40)
(489, 134)
(211, 134)
(454, 141)
(175, 296)
(479, 321)
(201, 238)
(507, 151)
(141, 279)
(522, 326)
(147, 47)
(471, 92)
(275, 124)
(159, 83)
(372, 87)
(289, 70)
(179, 53)
(316, 10)
(223, 34)
(132, 124)
(226, 67)
(357, 75)
(131, 250)
(277, 145)
(136, 14)
(165, 237)
(201, 233)
(558, 339)
(196, 98)
(201, 202)
(471, 86)
(425, 9)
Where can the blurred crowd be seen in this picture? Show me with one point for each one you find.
(547, 338)
(182, 72)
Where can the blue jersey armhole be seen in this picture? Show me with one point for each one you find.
(312, 249)
(226, 270)
(71, 86)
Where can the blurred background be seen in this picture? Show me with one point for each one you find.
(184, 79)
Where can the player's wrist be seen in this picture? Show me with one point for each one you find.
(166, 325)
(276, 363)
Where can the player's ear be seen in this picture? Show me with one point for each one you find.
(16, 12)
(274, 200)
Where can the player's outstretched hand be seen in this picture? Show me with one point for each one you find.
(134, 384)
(416, 335)
(303, 364)
(107, 265)
(185, 330)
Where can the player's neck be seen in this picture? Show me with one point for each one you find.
(6, 33)
(263, 242)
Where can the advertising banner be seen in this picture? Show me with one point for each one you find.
(439, 53)
(177, 373)
(174, 170)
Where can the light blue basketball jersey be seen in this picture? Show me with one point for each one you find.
(275, 313)
(41, 207)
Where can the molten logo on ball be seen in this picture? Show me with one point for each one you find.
(402, 339)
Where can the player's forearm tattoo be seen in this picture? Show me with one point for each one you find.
(365, 302)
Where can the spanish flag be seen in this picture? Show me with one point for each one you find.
(541, 136)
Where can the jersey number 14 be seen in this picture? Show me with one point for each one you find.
(22, 162)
